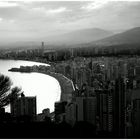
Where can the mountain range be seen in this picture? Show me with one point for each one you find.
(131, 36)
(81, 36)
(84, 38)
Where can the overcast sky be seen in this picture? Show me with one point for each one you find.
(31, 20)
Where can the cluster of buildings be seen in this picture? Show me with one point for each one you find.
(107, 94)
(24, 109)
(45, 53)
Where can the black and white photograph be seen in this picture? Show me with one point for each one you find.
(70, 69)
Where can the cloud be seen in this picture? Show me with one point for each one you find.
(124, 0)
(28, 1)
(7, 4)
(1, 19)
(58, 10)
(94, 5)
(11, 20)
(39, 9)
(49, 11)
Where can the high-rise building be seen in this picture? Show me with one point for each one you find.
(42, 48)
(60, 111)
(136, 118)
(89, 107)
(129, 118)
(119, 106)
(2, 110)
(24, 106)
(71, 115)
(86, 109)
(105, 109)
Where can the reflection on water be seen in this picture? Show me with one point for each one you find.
(46, 88)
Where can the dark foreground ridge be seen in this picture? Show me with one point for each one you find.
(50, 130)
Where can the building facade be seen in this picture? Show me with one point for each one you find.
(24, 106)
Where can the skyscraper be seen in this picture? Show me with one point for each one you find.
(136, 118)
(90, 109)
(105, 109)
(24, 106)
(60, 111)
(86, 109)
(42, 48)
(71, 115)
(119, 107)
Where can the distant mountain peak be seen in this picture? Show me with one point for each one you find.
(131, 36)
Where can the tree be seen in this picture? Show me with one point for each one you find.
(7, 93)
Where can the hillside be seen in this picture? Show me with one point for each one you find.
(80, 36)
(131, 36)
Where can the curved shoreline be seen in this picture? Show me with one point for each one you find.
(66, 85)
